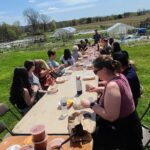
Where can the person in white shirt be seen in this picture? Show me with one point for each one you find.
(67, 59)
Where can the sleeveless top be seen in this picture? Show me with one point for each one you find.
(127, 103)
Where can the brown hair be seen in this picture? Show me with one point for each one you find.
(107, 62)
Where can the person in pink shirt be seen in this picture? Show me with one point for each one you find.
(118, 125)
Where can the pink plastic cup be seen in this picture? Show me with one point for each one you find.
(41, 145)
(38, 133)
(55, 143)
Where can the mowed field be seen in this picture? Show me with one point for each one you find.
(140, 53)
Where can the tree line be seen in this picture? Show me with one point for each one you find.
(38, 24)
(89, 20)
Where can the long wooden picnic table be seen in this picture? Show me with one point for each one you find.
(45, 110)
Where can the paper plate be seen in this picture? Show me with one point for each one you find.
(14, 147)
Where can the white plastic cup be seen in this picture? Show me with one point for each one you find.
(63, 104)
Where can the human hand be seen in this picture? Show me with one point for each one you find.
(56, 69)
(89, 87)
(102, 83)
(35, 88)
(61, 66)
(86, 103)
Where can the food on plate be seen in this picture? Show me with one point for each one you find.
(68, 72)
(60, 80)
(77, 64)
(80, 58)
(85, 56)
(52, 90)
(69, 102)
(14, 147)
(88, 77)
(90, 66)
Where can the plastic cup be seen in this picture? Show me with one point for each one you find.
(41, 145)
(38, 133)
(55, 143)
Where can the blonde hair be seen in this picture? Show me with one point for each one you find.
(42, 64)
(75, 48)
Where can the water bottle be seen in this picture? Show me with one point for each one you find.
(64, 110)
(78, 85)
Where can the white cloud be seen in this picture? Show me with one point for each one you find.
(43, 4)
(47, 4)
(78, 2)
(52, 10)
(31, 1)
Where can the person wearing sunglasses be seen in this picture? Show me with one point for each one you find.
(117, 123)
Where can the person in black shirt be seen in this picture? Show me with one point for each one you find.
(129, 72)
(96, 37)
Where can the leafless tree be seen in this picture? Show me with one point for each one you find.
(33, 19)
(44, 21)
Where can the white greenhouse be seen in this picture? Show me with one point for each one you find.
(119, 29)
(67, 30)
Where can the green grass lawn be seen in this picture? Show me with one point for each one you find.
(10, 60)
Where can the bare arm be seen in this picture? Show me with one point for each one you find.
(44, 72)
(29, 99)
(112, 102)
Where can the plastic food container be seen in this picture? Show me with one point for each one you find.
(38, 133)
(41, 145)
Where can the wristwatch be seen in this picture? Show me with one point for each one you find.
(92, 104)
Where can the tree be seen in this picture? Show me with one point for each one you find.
(44, 20)
(33, 19)
(53, 25)
(74, 22)
(7, 33)
(3, 32)
(89, 20)
(16, 27)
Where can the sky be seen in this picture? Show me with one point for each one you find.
(12, 10)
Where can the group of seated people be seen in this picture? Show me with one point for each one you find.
(117, 123)
(31, 81)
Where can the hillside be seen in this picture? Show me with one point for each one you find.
(132, 20)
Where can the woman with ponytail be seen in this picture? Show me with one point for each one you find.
(118, 126)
